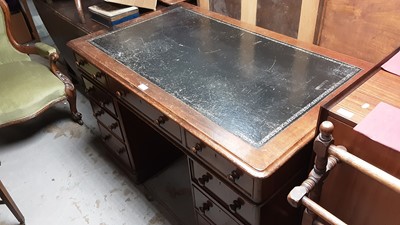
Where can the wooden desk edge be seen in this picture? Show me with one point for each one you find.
(277, 160)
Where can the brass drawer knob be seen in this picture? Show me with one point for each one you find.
(120, 94)
(113, 126)
(196, 148)
(106, 137)
(98, 113)
(161, 120)
(205, 207)
(204, 179)
(80, 62)
(234, 175)
(103, 104)
(236, 204)
(98, 75)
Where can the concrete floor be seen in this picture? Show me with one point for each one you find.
(58, 172)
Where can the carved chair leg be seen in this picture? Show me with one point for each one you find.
(71, 97)
(6, 199)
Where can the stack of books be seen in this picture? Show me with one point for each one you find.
(111, 14)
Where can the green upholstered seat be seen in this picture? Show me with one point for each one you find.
(26, 88)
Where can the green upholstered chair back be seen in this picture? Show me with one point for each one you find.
(27, 87)
(7, 51)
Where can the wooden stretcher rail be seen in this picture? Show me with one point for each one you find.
(321, 212)
(327, 156)
(366, 168)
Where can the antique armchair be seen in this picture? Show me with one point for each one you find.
(27, 88)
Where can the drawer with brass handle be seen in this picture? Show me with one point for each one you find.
(99, 96)
(107, 120)
(221, 165)
(91, 70)
(117, 147)
(153, 115)
(229, 198)
(208, 208)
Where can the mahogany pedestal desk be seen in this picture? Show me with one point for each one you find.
(240, 103)
(347, 193)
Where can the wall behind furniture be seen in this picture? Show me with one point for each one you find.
(365, 29)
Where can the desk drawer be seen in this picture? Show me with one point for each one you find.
(231, 200)
(117, 147)
(107, 120)
(152, 114)
(99, 96)
(211, 210)
(91, 70)
(222, 166)
(201, 220)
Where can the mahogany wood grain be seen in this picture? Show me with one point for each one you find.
(382, 87)
(261, 162)
(368, 30)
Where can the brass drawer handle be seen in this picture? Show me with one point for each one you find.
(205, 207)
(196, 148)
(236, 204)
(103, 104)
(120, 94)
(98, 75)
(234, 175)
(204, 179)
(80, 62)
(98, 113)
(106, 137)
(113, 126)
(161, 120)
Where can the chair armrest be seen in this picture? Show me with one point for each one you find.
(49, 53)
(44, 50)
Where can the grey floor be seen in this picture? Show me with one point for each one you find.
(58, 172)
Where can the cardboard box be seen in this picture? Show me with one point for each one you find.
(148, 4)
(19, 28)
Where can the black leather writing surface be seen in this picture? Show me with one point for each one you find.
(249, 84)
